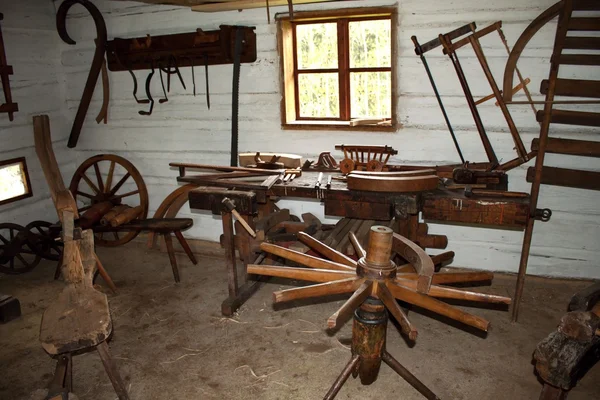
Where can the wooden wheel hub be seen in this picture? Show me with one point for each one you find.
(376, 264)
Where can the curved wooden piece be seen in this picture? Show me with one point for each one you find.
(304, 259)
(399, 174)
(304, 274)
(402, 184)
(103, 114)
(325, 250)
(420, 261)
(90, 84)
(321, 289)
(438, 307)
(171, 203)
(345, 311)
(528, 33)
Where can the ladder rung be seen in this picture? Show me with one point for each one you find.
(585, 148)
(579, 59)
(584, 24)
(581, 5)
(567, 177)
(573, 87)
(582, 42)
(571, 117)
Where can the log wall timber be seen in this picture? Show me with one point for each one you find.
(31, 44)
(184, 130)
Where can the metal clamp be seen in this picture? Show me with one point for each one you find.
(542, 214)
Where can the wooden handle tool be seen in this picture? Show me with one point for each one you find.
(231, 208)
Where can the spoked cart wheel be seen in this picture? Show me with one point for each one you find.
(17, 255)
(42, 238)
(107, 177)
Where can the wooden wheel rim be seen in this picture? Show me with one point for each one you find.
(347, 166)
(42, 241)
(108, 192)
(13, 239)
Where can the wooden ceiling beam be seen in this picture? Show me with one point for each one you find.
(229, 5)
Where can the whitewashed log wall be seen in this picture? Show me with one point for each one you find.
(32, 48)
(184, 130)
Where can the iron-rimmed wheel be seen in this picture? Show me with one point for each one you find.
(129, 188)
(16, 253)
(42, 239)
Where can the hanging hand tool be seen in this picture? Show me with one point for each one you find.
(162, 83)
(420, 51)
(231, 208)
(206, 77)
(150, 99)
(103, 113)
(172, 68)
(235, 103)
(90, 84)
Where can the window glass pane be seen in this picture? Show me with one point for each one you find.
(371, 94)
(317, 46)
(319, 95)
(370, 43)
(12, 182)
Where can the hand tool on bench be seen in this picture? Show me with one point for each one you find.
(231, 208)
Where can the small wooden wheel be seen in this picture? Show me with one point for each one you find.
(374, 166)
(347, 166)
(129, 189)
(16, 253)
(42, 240)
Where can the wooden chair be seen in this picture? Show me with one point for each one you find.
(79, 319)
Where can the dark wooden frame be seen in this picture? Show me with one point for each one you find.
(29, 193)
(290, 107)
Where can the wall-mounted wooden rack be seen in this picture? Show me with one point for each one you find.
(188, 49)
(6, 70)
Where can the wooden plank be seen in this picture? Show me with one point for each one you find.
(567, 177)
(573, 87)
(359, 209)
(579, 59)
(587, 5)
(571, 117)
(584, 24)
(582, 42)
(247, 4)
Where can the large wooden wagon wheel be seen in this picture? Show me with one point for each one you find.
(107, 177)
(17, 256)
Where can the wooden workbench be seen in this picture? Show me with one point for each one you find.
(257, 206)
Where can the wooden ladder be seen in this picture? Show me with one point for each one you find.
(571, 34)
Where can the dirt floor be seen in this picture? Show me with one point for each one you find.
(171, 342)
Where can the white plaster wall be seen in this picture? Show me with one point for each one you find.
(184, 130)
(31, 46)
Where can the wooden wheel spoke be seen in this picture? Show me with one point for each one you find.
(84, 208)
(109, 178)
(4, 239)
(116, 235)
(390, 303)
(23, 261)
(453, 293)
(304, 259)
(89, 196)
(90, 183)
(120, 183)
(357, 247)
(99, 176)
(345, 311)
(120, 196)
(325, 250)
(438, 307)
(322, 289)
(305, 274)
(459, 277)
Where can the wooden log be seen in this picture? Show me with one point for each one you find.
(346, 310)
(116, 210)
(322, 289)
(325, 250)
(304, 274)
(304, 259)
(126, 216)
(438, 307)
(94, 214)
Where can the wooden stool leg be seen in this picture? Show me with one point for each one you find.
(58, 268)
(112, 371)
(171, 251)
(186, 247)
(105, 275)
